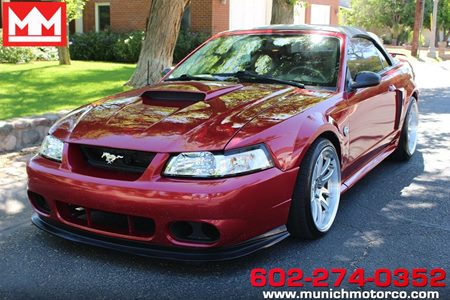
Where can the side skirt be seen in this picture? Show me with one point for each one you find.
(358, 175)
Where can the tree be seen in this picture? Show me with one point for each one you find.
(444, 18)
(74, 10)
(283, 11)
(160, 38)
(397, 16)
(361, 14)
(417, 24)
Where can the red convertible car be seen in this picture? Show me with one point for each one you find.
(251, 138)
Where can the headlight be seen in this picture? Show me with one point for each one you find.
(52, 148)
(207, 164)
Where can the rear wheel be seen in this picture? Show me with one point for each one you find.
(316, 197)
(408, 137)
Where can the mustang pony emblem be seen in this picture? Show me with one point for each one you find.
(110, 158)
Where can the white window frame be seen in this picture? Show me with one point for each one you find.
(97, 21)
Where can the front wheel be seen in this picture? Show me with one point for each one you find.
(318, 189)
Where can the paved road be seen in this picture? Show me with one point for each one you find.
(398, 216)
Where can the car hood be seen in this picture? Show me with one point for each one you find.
(179, 116)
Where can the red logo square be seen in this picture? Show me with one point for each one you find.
(34, 24)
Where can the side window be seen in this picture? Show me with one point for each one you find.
(364, 56)
(384, 62)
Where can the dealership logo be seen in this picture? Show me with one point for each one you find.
(34, 24)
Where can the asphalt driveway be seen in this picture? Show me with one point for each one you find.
(398, 216)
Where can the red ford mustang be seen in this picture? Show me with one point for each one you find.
(250, 139)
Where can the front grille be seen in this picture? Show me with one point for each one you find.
(133, 226)
(117, 159)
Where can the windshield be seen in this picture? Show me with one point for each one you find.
(309, 59)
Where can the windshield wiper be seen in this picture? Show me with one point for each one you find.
(187, 77)
(243, 75)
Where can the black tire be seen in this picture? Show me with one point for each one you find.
(402, 153)
(300, 223)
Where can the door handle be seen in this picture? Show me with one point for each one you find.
(392, 88)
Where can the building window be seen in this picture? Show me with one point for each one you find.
(102, 16)
(320, 14)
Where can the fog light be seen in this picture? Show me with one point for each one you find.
(194, 232)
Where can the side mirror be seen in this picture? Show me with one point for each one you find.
(165, 71)
(365, 79)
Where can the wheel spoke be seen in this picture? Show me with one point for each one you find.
(314, 209)
(324, 179)
(325, 166)
(319, 164)
(320, 212)
(324, 203)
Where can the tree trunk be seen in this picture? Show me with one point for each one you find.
(63, 52)
(282, 12)
(417, 23)
(159, 43)
(64, 55)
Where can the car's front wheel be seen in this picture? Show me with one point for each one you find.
(317, 193)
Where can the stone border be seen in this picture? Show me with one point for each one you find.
(19, 133)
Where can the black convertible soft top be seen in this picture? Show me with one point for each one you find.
(347, 30)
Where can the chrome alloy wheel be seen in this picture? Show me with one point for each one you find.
(325, 189)
(413, 122)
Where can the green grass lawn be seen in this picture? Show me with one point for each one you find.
(40, 87)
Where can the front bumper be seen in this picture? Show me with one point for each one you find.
(171, 253)
(248, 211)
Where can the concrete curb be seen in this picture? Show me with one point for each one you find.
(19, 133)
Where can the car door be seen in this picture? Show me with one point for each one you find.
(373, 109)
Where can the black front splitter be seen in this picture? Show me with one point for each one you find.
(170, 253)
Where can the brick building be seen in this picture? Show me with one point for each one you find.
(210, 16)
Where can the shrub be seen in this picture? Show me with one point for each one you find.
(403, 37)
(410, 38)
(128, 46)
(45, 53)
(186, 43)
(14, 55)
(387, 39)
(106, 46)
(125, 47)
(96, 46)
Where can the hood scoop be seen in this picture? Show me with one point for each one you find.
(155, 96)
(185, 93)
